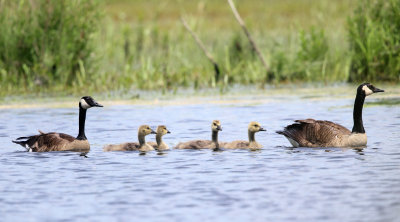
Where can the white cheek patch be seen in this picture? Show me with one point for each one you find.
(84, 104)
(367, 90)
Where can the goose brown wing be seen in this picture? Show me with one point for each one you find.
(46, 142)
(314, 133)
(337, 128)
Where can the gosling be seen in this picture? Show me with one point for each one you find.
(142, 146)
(160, 145)
(253, 128)
(204, 144)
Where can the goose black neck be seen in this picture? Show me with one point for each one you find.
(252, 137)
(159, 139)
(214, 138)
(82, 119)
(141, 139)
(358, 126)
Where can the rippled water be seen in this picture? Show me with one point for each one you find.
(277, 183)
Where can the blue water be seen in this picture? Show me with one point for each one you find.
(277, 183)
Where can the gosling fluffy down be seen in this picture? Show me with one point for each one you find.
(141, 146)
(159, 144)
(204, 144)
(253, 128)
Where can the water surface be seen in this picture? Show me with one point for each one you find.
(277, 183)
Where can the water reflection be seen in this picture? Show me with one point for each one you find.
(84, 154)
(359, 151)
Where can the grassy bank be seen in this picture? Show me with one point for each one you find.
(239, 95)
(141, 44)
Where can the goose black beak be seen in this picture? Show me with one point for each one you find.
(168, 131)
(219, 128)
(152, 132)
(262, 129)
(94, 103)
(376, 90)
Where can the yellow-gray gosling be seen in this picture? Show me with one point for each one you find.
(160, 145)
(204, 144)
(320, 133)
(253, 128)
(142, 146)
(46, 142)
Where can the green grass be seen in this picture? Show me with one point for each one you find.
(374, 33)
(141, 44)
(290, 34)
(46, 44)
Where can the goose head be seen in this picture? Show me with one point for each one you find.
(87, 102)
(162, 130)
(255, 127)
(216, 126)
(145, 130)
(368, 89)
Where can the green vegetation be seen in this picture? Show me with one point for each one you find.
(375, 41)
(90, 46)
(46, 44)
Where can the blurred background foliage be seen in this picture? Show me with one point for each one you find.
(98, 45)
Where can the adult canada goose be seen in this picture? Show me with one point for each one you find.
(46, 142)
(160, 145)
(319, 133)
(142, 146)
(253, 128)
(204, 144)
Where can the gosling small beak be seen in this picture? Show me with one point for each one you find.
(376, 90)
(152, 132)
(219, 128)
(168, 131)
(262, 129)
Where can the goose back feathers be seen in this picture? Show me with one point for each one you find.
(315, 133)
(47, 142)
